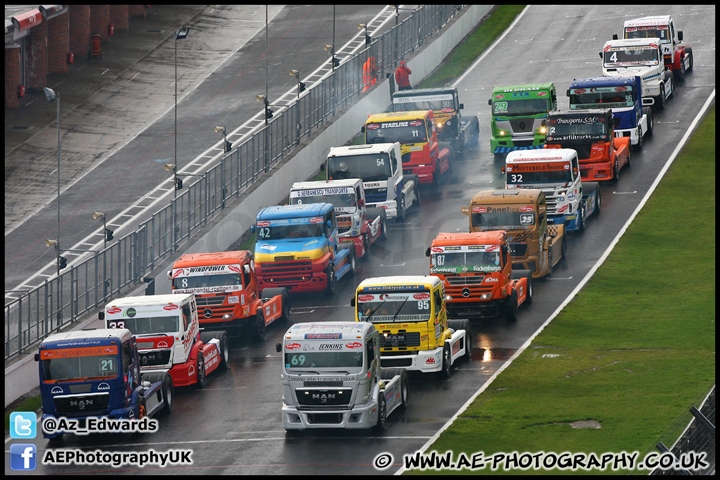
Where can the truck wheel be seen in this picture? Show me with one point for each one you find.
(563, 249)
(680, 74)
(200, 371)
(257, 327)
(224, 351)
(660, 104)
(383, 226)
(417, 191)
(404, 390)
(511, 309)
(463, 325)
(168, 390)
(446, 362)
(330, 289)
(581, 216)
(285, 306)
(382, 422)
(692, 61)
(616, 171)
(598, 200)
(400, 209)
(650, 123)
(352, 262)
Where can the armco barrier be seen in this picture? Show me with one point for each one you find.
(152, 247)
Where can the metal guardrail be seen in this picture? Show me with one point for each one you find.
(61, 301)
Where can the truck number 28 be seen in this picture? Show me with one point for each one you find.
(118, 324)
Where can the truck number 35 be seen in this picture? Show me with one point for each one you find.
(118, 324)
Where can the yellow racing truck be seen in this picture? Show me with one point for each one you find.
(534, 245)
(410, 314)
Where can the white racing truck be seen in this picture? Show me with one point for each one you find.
(641, 57)
(332, 378)
(556, 172)
(380, 168)
(357, 224)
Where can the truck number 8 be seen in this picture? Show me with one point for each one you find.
(118, 324)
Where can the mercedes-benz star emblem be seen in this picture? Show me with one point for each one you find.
(466, 292)
(207, 312)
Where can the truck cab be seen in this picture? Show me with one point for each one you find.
(446, 106)
(677, 56)
(96, 373)
(557, 173)
(380, 167)
(411, 315)
(640, 57)
(623, 95)
(519, 114)
(522, 213)
(591, 134)
(298, 248)
(417, 134)
(168, 336)
(332, 378)
(476, 269)
(358, 225)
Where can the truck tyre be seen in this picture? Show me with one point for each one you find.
(581, 216)
(692, 60)
(639, 145)
(382, 422)
(650, 123)
(200, 368)
(168, 390)
(400, 209)
(416, 189)
(660, 104)
(680, 74)
(404, 389)
(257, 326)
(383, 229)
(330, 273)
(352, 262)
(511, 309)
(616, 171)
(446, 362)
(598, 200)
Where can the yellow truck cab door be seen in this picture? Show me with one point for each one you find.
(440, 314)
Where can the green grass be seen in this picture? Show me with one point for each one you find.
(632, 351)
(31, 404)
(464, 54)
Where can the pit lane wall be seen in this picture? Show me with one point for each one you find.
(22, 376)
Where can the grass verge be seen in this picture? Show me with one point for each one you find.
(632, 351)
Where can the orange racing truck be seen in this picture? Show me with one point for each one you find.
(477, 272)
(227, 293)
(417, 135)
(522, 213)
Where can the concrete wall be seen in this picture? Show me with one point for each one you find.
(22, 377)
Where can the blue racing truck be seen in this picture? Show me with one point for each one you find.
(96, 373)
(297, 247)
(623, 95)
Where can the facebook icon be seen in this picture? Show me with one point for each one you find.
(23, 457)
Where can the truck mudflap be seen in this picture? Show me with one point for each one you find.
(411, 191)
(470, 133)
(154, 400)
(343, 262)
(271, 303)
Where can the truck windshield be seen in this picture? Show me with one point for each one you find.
(205, 281)
(577, 128)
(509, 108)
(80, 368)
(651, 31)
(407, 131)
(369, 167)
(525, 176)
(502, 220)
(438, 103)
(630, 57)
(602, 97)
(147, 325)
(330, 359)
(465, 262)
(290, 232)
(395, 307)
(342, 200)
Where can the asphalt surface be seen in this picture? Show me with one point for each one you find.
(233, 426)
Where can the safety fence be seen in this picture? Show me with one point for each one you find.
(88, 285)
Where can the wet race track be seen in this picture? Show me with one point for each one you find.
(233, 426)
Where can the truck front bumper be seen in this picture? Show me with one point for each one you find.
(426, 361)
(595, 172)
(571, 222)
(359, 417)
(390, 208)
(425, 173)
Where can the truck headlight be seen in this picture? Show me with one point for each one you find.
(485, 296)
(439, 125)
(503, 133)
(542, 130)
(227, 316)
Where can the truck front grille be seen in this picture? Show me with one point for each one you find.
(323, 396)
(399, 339)
(522, 125)
(82, 404)
(287, 271)
(209, 301)
(468, 280)
(150, 359)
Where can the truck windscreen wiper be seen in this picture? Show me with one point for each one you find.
(374, 310)
(401, 305)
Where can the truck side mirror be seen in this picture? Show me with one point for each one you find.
(615, 36)
(502, 170)
(461, 106)
(322, 167)
(680, 35)
(252, 229)
(465, 210)
(600, 53)
(361, 202)
(37, 357)
(568, 92)
(490, 101)
(352, 302)
(362, 129)
(169, 274)
(427, 252)
(101, 315)
(278, 347)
